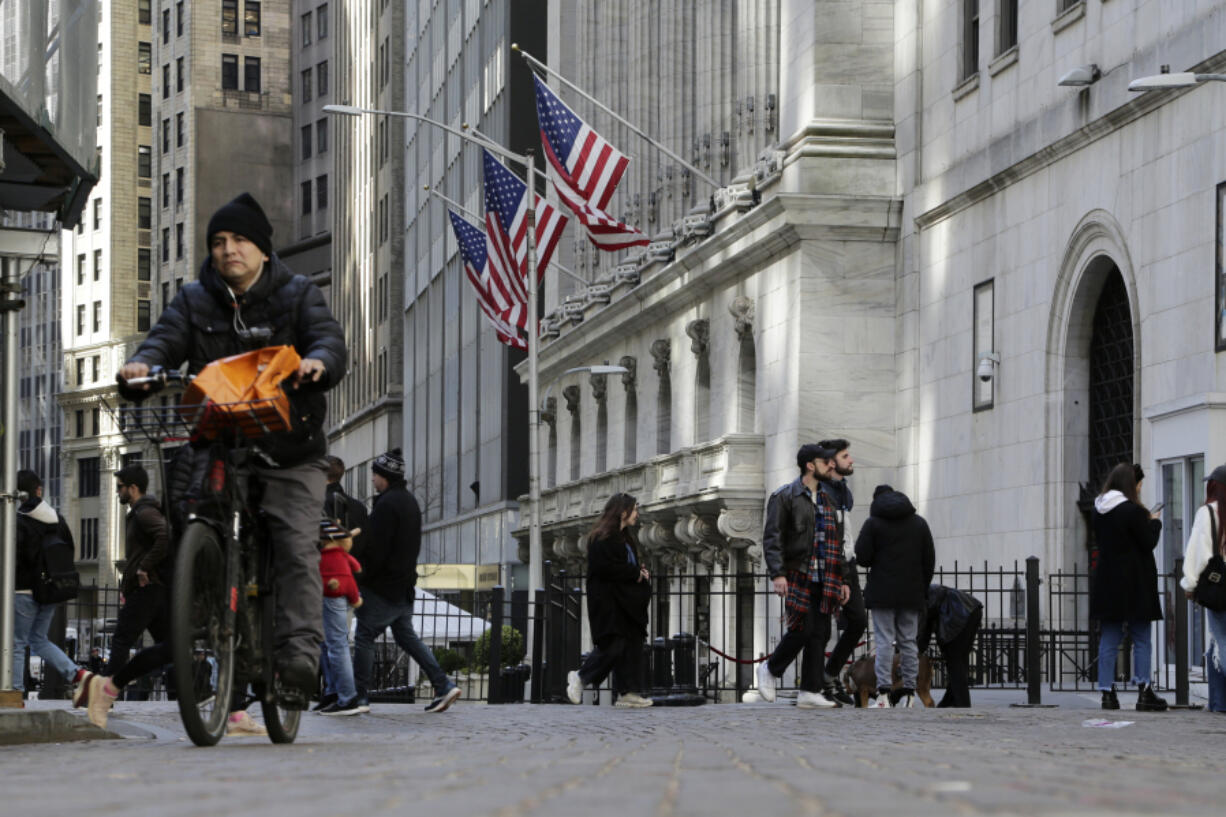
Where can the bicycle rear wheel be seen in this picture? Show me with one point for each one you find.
(282, 723)
(198, 621)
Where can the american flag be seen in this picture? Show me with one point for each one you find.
(492, 304)
(506, 224)
(584, 169)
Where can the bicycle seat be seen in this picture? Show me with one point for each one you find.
(242, 391)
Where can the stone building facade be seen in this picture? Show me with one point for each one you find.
(930, 206)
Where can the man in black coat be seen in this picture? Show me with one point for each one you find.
(246, 299)
(896, 545)
(147, 572)
(852, 615)
(388, 553)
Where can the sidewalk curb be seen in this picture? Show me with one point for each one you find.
(48, 726)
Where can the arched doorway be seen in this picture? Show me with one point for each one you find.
(1112, 367)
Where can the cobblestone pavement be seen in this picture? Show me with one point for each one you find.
(730, 759)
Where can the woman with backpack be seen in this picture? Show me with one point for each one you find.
(1124, 587)
(618, 592)
(1207, 537)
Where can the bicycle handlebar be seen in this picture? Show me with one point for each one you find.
(158, 379)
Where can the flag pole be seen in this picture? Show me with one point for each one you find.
(533, 61)
(474, 217)
(536, 574)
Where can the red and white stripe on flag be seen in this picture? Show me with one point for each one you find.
(604, 231)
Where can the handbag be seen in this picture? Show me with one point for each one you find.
(1210, 591)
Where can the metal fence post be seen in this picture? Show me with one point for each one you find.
(1034, 668)
(1181, 635)
(538, 644)
(494, 694)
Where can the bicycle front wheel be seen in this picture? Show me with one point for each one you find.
(198, 627)
(281, 722)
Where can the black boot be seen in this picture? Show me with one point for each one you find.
(1147, 701)
(834, 691)
(1110, 701)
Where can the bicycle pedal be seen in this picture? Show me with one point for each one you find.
(292, 699)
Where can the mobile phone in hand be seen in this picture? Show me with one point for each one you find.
(1157, 508)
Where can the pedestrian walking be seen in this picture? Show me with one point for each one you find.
(1208, 536)
(337, 568)
(388, 555)
(1124, 587)
(38, 525)
(348, 512)
(852, 615)
(895, 544)
(618, 594)
(145, 587)
(804, 559)
(954, 618)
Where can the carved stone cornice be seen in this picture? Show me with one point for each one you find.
(700, 336)
(629, 377)
(600, 386)
(571, 395)
(550, 413)
(742, 310)
(661, 350)
(742, 527)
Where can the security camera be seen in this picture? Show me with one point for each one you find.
(986, 367)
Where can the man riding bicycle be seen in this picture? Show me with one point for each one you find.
(245, 299)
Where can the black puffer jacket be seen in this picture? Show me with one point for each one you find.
(201, 325)
(33, 520)
(390, 545)
(896, 545)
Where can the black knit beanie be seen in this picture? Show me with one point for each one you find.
(390, 466)
(244, 216)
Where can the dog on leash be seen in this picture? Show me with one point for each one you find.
(861, 679)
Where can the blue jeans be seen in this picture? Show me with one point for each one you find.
(338, 666)
(1109, 647)
(374, 616)
(31, 621)
(1215, 663)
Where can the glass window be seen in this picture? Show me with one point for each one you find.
(97, 265)
(144, 162)
(165, 244)
(145, 110)
(180, 183)
(321, 136)
(306, 29)
(87, 476)
(179, 19)
(321, 74)
(229, 72)
(80, 417)
(97, 320)
(81, 268)
(970, 38)
(97, 214)
(144, 12)
(143, 218)
(142, 316)
(179, 75)
(321, 192)
(180, 129)
(144, 58)
(165, 25)
(1006, 22)
(229, 17)
(165, 189)
(1182, 492)
(95, 362)
(144, 264)
(321, 22)
(251, 19)
(306, 85)
(306, 142)
(251, 74)
(166, 81)
(306, 198)
(165, 136)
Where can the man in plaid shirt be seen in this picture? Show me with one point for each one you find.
(805, 559)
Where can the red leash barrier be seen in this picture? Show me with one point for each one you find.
(728, 657)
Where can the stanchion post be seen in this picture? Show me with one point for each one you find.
(538, 644)
(1034, 652)
(1182, 692)
(495, 691)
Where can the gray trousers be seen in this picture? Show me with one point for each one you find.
(293, 502)
(901, 626)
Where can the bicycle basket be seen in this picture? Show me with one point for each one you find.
(244, 391)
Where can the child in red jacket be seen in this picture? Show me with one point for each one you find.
(337, 567)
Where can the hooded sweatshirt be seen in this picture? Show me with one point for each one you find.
(896, 545)
(33, 518)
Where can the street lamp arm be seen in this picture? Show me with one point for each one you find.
(352, 110)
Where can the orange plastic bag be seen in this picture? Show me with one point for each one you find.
(242, 390)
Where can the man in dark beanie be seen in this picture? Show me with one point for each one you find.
(246, 299)
(388, 553)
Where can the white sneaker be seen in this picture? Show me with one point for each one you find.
(632, 700)
(881, 702)
(766, 683)
(813, 700)
(242, 725)
(574, 687)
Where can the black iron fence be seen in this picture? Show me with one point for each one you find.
(708, 630)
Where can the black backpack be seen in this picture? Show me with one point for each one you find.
(55, 571)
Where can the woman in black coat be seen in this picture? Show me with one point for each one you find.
(1124, 586)
(618, 592)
